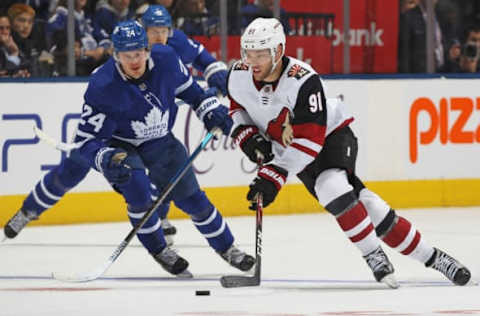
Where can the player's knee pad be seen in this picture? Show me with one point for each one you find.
(69, 173)
(376, 207)
(196, 205)
(330, 185)
(386, 225)
(342, 204)
(137, 191)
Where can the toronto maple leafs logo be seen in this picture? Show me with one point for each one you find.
(155, 125)
(297, 71)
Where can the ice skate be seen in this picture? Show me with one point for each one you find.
(451, 268)
(238, 259)
(18, 222)
(381, 267)
(168, 231)
(173, 263)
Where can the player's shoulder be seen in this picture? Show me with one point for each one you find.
(105, 88)
(237, 76)
(178, 35)
(160, 52)
(298, 70)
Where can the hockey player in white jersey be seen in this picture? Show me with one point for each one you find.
(281, 113)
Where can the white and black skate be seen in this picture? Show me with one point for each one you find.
(238, 259)
(173, 263)
(381, 267)
(18, 222)
(168, 231)
(451, 268)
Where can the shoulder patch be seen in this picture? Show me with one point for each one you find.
(240, 66)
(297, 71)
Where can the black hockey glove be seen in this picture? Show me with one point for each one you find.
(111, 163)
(253, 143)
(270, 179)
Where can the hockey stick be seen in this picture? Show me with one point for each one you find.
(229, 281)
(52, 142)
(99, 271)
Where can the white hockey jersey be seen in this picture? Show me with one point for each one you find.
(302, 92)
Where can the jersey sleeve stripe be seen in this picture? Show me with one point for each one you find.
(308, 143)
(344, 123)
(184, 86)
(311, 131)
(304, 149)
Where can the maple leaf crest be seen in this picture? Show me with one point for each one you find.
(155, 125)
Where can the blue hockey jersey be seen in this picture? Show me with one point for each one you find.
(135, 111)
(191, 52)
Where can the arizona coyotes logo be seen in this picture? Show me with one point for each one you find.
(240, 66)
(297, 71)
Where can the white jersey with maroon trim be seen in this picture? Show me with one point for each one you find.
(302, 92)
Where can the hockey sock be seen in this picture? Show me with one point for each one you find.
(151, 234)
(400, 234)
(208, 220)
(46, 193)
(352, 217)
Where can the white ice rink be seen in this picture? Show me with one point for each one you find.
(309, 268)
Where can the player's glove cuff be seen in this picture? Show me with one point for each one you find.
(213, 68)
(206, 106)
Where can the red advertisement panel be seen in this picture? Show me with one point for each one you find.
(373, 37)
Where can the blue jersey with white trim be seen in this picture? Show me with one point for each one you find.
(135, 111)
(191, 52)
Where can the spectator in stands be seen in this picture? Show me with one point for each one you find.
(168, 4)
(412, 53)
(263, 9)
(30, 39)
(196, 20)
(88, 54)
(406, 5)
(107, 15)
(467, 60)
(143, 5)
(10, 58)
(43, 8)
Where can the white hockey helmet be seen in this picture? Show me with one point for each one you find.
(263, 33)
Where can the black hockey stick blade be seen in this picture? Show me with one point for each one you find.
(231, 281)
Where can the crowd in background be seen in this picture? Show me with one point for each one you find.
(456, 36)
(33, 37)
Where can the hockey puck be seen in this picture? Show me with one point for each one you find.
(202, 293)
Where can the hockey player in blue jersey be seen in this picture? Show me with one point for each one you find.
(128, 112)
(72, 170)
(158, 23)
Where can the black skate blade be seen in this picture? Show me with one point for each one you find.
(231, 281)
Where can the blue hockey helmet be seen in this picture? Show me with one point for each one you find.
(156, 15)
(129, 35)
